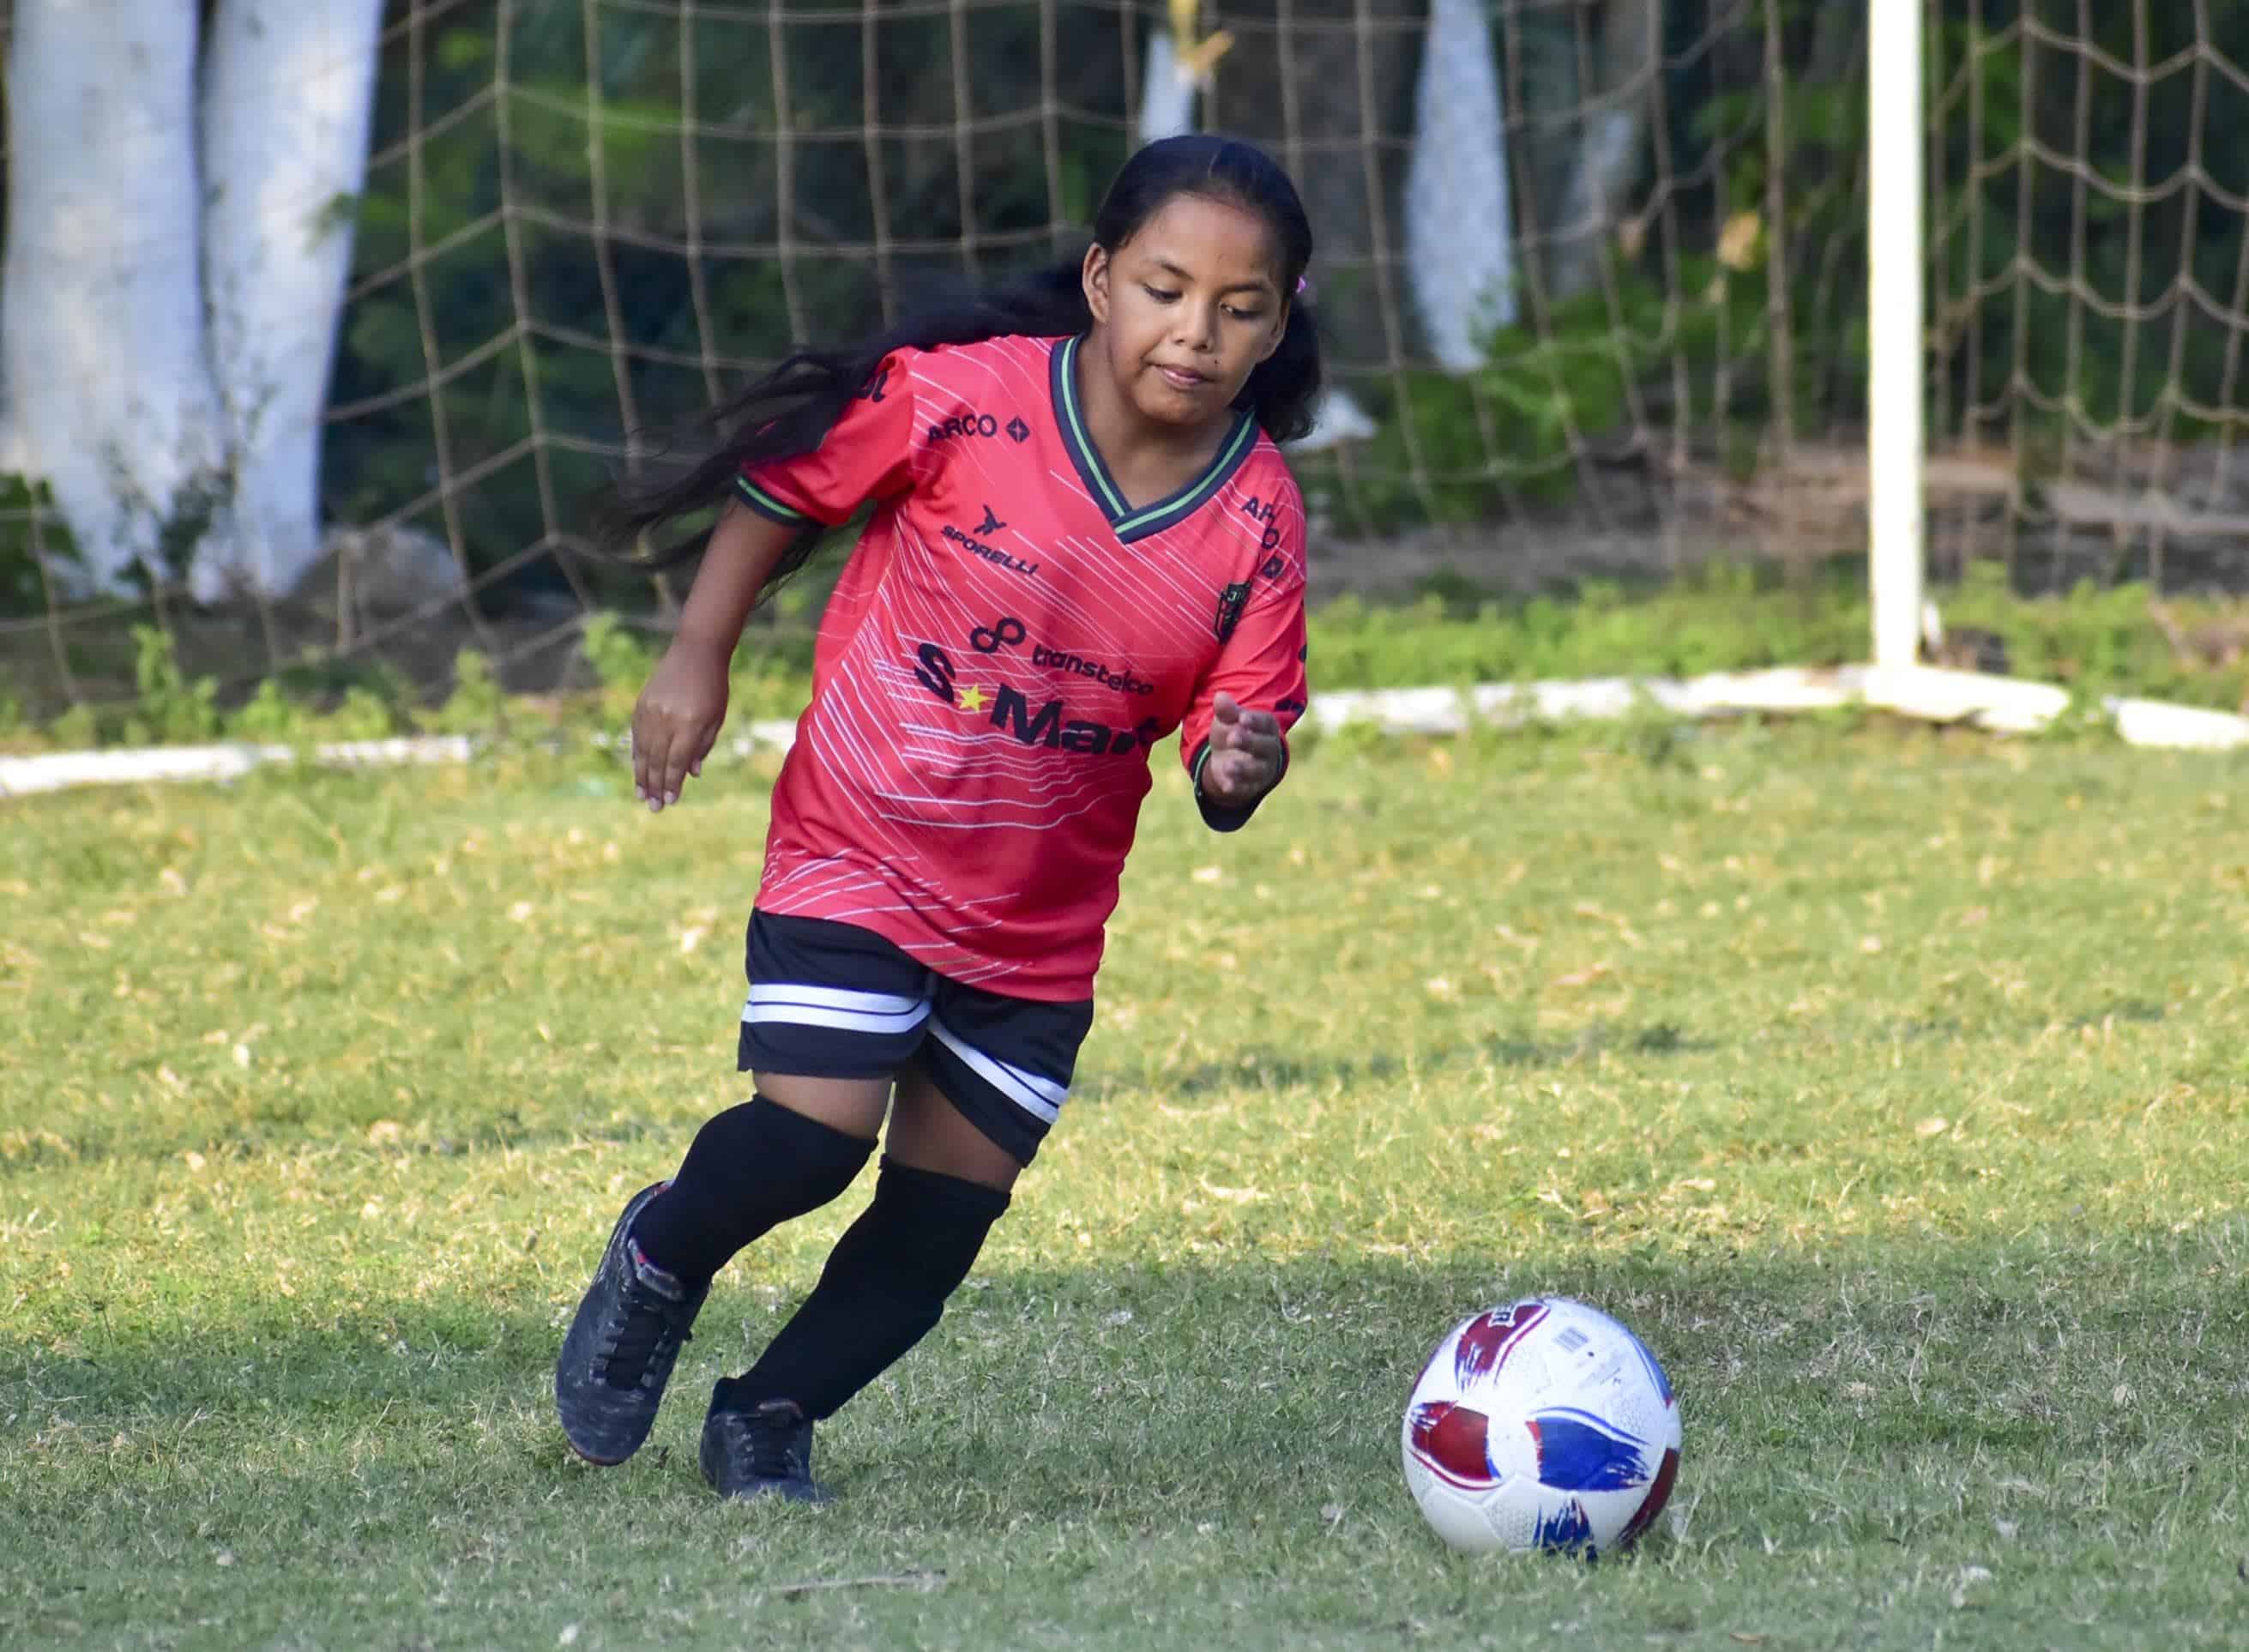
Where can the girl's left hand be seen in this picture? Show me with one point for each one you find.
(1245, 755)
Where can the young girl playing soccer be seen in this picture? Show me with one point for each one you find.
(1083, 539)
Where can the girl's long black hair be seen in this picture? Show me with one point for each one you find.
(791, 410)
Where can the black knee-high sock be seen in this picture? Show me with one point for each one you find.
(883, 1288)
(748, 1171)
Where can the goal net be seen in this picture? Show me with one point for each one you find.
(1591, 274)
(2089, 262)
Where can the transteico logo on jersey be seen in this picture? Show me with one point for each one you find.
(1008, 631)
(1123, 679)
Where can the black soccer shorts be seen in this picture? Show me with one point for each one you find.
(833, 1001)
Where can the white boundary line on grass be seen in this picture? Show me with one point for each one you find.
(2003, 704)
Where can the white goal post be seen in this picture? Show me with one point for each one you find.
(1896, 179)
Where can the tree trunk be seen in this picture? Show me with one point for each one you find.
(288, 87)
(1460, 250)
(1611, 138)
(101, 320)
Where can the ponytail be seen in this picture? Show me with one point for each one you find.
(789, 412)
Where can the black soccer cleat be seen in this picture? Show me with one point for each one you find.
(620, 1349)
(762, 1450)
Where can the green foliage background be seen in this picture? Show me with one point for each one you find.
(523, 295)
(520, 107)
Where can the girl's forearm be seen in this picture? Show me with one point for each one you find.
(744, 550)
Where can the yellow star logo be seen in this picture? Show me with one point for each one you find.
(971, 699)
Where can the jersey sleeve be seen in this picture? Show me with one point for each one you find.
(868, 455)
(1261, 662)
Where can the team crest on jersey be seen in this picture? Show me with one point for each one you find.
(1230, 604)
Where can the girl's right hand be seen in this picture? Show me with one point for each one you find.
(675, 720)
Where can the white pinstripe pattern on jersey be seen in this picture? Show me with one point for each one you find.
(928, 772)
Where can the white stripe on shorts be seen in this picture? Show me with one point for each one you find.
(809, 1005)
(1040, 1098)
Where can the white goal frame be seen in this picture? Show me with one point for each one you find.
(1896, 348)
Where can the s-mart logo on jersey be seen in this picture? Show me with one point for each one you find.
(1050, 726)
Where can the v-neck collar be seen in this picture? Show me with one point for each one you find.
(1128, 523)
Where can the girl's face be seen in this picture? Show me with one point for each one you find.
(1185, 309)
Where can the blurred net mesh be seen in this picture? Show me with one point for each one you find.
(2090, 283)
(584, 220)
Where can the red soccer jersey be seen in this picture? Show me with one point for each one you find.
(1008, 639)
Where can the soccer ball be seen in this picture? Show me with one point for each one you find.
(1540, 1425)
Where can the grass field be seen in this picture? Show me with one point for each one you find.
(1891, 1084)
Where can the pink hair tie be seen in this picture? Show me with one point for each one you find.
(1303, 285)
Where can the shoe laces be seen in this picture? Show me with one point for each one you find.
(779, 1440)
(648, 1333)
